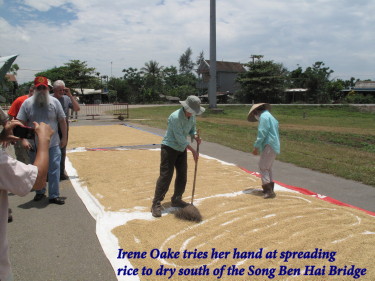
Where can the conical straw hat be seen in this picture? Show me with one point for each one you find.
(250, 115)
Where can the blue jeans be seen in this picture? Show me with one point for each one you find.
(53, 172)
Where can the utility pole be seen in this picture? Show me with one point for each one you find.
(212, 84)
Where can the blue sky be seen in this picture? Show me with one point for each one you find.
(48, 33)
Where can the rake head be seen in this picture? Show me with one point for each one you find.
(190, 213)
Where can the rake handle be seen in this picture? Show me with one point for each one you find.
(195, 173)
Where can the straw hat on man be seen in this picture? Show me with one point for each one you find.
(267, 144)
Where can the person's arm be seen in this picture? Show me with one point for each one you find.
(263, 129)
(64, 132)
(75, 104)
(44, 133)
(14, 109)
(194, 152)
(60, 115)
(195, 134)
(23, 185)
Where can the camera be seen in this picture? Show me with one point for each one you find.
(24, 132)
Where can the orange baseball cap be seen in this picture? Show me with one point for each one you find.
(40, 80)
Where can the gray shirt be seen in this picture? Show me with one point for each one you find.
(29, 113)
(66, 103)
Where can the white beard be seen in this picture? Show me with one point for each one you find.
(41, 98)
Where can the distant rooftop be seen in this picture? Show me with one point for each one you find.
(222, 66)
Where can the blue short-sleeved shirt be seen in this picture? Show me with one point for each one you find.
(268, 132)
(179, 127)
(30, 112)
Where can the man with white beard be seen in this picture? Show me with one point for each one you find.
(42, 107)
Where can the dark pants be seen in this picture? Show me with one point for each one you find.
(62, 163)
(63, 150)
(171, 159)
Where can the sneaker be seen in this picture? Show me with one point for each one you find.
(39, 197)
(179, 203)
(57, 200)
(156, 210)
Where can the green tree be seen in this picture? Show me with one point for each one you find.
(14, 68)
(316, 79)
(317, 82)
(152, 81)
(75, 74)
(200, 58)
(152, 68)
(186, 64)
(264, 81)
(296, 78)
(178, 85)
(56, 73)
(134, 85)
(171, 78)
(79, 75)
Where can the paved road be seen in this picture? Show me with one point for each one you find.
(53, 243)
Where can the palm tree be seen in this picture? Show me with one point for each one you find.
(152, 68)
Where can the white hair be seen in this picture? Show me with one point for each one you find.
(41, 98)
(58, 83)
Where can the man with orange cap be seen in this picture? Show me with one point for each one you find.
(267, 144)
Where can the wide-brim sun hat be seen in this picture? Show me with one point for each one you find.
(250, 115)
(192, 104)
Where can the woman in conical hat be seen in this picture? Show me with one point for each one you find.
(267, 144)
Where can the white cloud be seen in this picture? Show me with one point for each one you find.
(130, 33)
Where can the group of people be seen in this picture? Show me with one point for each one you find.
(53, 109)
(182, 123)
(48, 115)
(40, 159)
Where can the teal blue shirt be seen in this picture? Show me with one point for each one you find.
(268, 132)
(179, 127)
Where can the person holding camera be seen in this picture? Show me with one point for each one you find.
(21, 153)
(42, 107)
(19, 179)
(67, 101)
